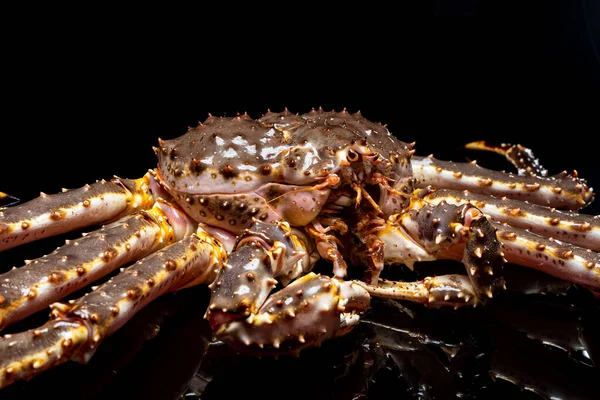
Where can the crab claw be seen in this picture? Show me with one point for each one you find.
(262, 252)
(311, 309)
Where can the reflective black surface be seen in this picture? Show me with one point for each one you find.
(519, 346)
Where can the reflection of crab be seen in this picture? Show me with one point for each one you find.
(277, 193)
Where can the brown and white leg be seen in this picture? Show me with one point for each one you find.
(54, 214)
(79, 327)
(78, 263)
(555, 257)
(439, 291)
(561, 191)
(519, 156)
(579, 229)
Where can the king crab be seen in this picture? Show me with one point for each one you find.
(247, 204)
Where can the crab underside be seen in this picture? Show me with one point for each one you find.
(249, 206)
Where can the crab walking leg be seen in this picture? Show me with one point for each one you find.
(562, 260)
(50, 215)
(579, 229)
(445, 290)
(424, 233)
(563, 191)
(79, 328)
(309, 310)
(79, 262)
(519, 156)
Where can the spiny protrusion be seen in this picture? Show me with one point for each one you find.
(439, 238)
(567, 254)
(508, 236)
(485, 182)
(554, 221)
(170, 265)
(540, 247)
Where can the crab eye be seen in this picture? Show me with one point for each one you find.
(352, 155)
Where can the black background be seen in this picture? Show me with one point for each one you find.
(85, 100)
(86, 97)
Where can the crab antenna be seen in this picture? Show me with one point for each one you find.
(7, 200)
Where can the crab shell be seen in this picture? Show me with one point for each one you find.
(227, 171)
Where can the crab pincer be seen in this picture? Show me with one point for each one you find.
(306, 312)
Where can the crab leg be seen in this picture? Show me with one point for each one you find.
(423, 234)
(561, 191)
(519, 156)
(79, 327)
(33, 286)
(562, 260)
(311, 309)
(58, 213)
(579, 229)
(446, 290)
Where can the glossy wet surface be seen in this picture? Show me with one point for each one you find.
(521, 346)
